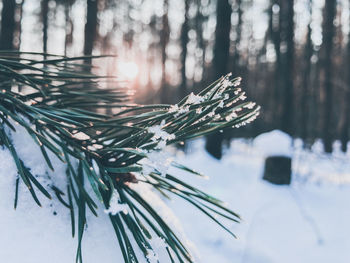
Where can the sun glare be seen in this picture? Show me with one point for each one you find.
(127, 70)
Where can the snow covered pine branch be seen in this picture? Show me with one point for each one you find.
(107, 157)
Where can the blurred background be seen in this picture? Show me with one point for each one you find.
(293, 55)
(294, 59)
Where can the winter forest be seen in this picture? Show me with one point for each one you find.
(114, 114)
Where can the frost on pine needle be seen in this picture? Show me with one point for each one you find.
(156, 161)
(194, 99)
(250, 105)
(221, 104)
(252, 117)
(231, 116)
(115, 206)
(179, 110)
(152, 257)
(160, 135)
(95, 147)
(81, 136)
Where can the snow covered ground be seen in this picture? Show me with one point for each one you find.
(305, 222)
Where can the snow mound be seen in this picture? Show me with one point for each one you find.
(274, 143)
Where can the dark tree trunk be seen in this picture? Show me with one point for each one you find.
(305, 96)
(90, 32)
(236, 55)
(287, 36)
(199, 20)
(327, 47)
(346, 125)
(164, 39)
(275, 34)
(69, 27)
(220, 63)
(7, 24)
(44, 19)
(184, 41)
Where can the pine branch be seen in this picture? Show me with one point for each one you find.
(58, 107)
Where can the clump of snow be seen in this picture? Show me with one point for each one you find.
(194, 99)
(274, 143)
(152, 256)
(115, 206)
(231, 116)
(250, 105)
(156, 160)
(81, 136)
(179, 110)
(160, 135)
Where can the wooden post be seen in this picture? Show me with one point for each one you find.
(278, 170)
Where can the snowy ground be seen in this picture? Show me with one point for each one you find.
(305, 222)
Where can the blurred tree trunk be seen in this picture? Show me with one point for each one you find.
(68, 40)
(345, 129)
(90, 32)
(44, 19)
(238, 28)
(287, 39)
(326, 65)
(275, 34)
(164, 39)
(306, 95)
(183, 56)
(18, 25)
(199, 20)
(220, 63)
(7, 24)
